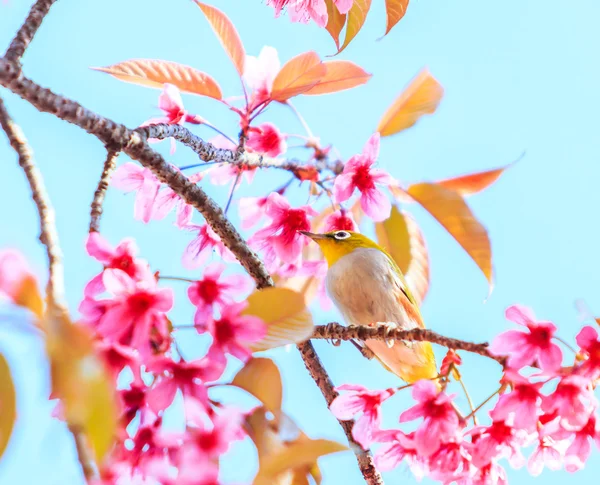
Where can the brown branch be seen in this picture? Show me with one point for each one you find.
(319, 374)
(57, 308)
(96, 207)
(25, 34)
(134, 144)
(335, 331)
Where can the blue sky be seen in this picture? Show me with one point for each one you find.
(518, 76)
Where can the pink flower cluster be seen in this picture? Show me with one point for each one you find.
(553, 411)
(305, 10)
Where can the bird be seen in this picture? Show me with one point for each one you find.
(367, 287)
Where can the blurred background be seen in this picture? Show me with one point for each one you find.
(518, 76)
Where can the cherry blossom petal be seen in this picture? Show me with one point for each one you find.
(520, 315)
(376, 205)
(343, 187)
(99, 248)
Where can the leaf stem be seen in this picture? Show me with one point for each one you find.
(301, 119)
(483, 403)
(176, 278)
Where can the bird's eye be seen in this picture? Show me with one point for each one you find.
(340, 235)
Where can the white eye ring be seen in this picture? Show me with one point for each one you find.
(340, 235)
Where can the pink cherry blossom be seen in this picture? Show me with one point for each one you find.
(580, 449)
(13, 270)
(116, 357)
(214, 291)
(498, 440)
(573, 400)
(343, 6)
(170, 102)
(199, 249)
(267, 140)
(251, 210)
(359, 174)
(260, 72)
(525, 348)
(440, 421)
(167, 199)
(451, 360)
(522, 404)
(492, 474)
(546, 454)
(135, 310)
(303, 10)
(233, 332)
(450, 463)
(188, 377)
(133, 400)
(360, 400)
(397, 448)
(340, 220)
(588, 341)
(282, 233)
(122, 257)
(131, 177)
(214, 439)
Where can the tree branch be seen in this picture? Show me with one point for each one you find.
(96, 207)
(335, 331)
(57, 308)
(25, 34)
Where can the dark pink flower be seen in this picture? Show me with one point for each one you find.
(360, 175)
(131, 177)
(587, 339)
(496, 441)
(522, 405)
(214, 439)
(188, 377)
(267, 140)
(233, 332)
(282, 233)
(450, 463)
(579, 450)
(167, 199)
(214, 291)
(398, 447)
(116, 357)
(339, 221)
(122, 257)
(360, 400)
(546, 454)
(573, 401)
(197, 252)
(252, 209)
(440, 421)
(136, 309)
(132, 401)
(525, 348)
(492, 474)
(451, 361)
(302, 10)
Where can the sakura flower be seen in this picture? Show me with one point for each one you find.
(498, 440)
(451, 361)
(440, 421)
(492, 474)
(131, 177)
(167, 199)
(358, 174)
(197, 252)
(122, 257)
(343, 6)
(116, 357)
(340, 220)
(587, 339)
(133, 400)
(573, 400)
(189, 377)
(527, 348)
(214, 291)
(579, 450)
(251, 210)
(136, 309)
(233, 332)
(303, 10)
(215, 439)
(398, 447)
(282, 233)
(546, 454)
(267, 140)
(360, 400)
(450, 462)
(14, 271)
(171, 104)
(522, 404)
(260, 72)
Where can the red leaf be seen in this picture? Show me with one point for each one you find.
(473, 183)
(356, 19)
(155, 73)
(297, 76)
(395, 10)
(340, 75)
(227, 34)
(335, 22)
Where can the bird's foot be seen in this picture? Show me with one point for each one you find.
(330, 327)
(366, 352)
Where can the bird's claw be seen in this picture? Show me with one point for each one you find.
(366, 352)
(330, 327)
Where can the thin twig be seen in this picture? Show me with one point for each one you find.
(25, 34)
(57, 308)
(384, 332)
(96, 207)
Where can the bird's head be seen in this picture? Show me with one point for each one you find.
(336, 244)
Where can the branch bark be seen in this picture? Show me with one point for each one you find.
(335, 331)
(96, 207)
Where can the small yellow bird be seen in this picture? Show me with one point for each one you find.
(367, 287)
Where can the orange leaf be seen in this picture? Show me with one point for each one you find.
(356, 19)
(335, 22)
(395, 10)
(421, 97)
(473, 183)
(8, 404)
(402, 238)
(154, 73)
(297, 76)
(227, 34)
(340, 75)
(452, 212)
(27, 295)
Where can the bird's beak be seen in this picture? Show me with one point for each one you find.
(313, 236)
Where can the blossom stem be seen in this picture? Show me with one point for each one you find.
(566, 344)
(467, 395)
(176, 278)
(233, 187)
(195, 165)
(483, 403)
(215, 129)
(301, 119)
